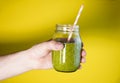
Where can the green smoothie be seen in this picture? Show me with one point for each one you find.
(67, 59)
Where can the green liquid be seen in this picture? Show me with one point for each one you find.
(67, 59)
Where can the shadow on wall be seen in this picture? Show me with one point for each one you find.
(9, 48)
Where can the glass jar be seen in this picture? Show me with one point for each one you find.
(67, 59)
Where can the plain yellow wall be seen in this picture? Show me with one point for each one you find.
(24, 23)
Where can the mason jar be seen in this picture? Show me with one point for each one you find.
(67, 59)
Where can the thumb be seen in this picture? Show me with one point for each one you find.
(45, 47)
(53, 45)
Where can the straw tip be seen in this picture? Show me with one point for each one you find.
(82, 6)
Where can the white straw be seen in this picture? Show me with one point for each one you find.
(75, 22)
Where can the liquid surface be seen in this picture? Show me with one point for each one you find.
(67, 59)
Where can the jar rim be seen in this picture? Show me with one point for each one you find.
(66, 27)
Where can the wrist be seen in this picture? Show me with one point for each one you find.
(21, 61)
(31, 60)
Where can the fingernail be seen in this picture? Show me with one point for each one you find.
(83, 60)
(83, 53)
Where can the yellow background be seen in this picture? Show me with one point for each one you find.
(24, 23)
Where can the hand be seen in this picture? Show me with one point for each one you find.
(40, 56)
(37, 57)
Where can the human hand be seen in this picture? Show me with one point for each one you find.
(37, 57)
(40, 56)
